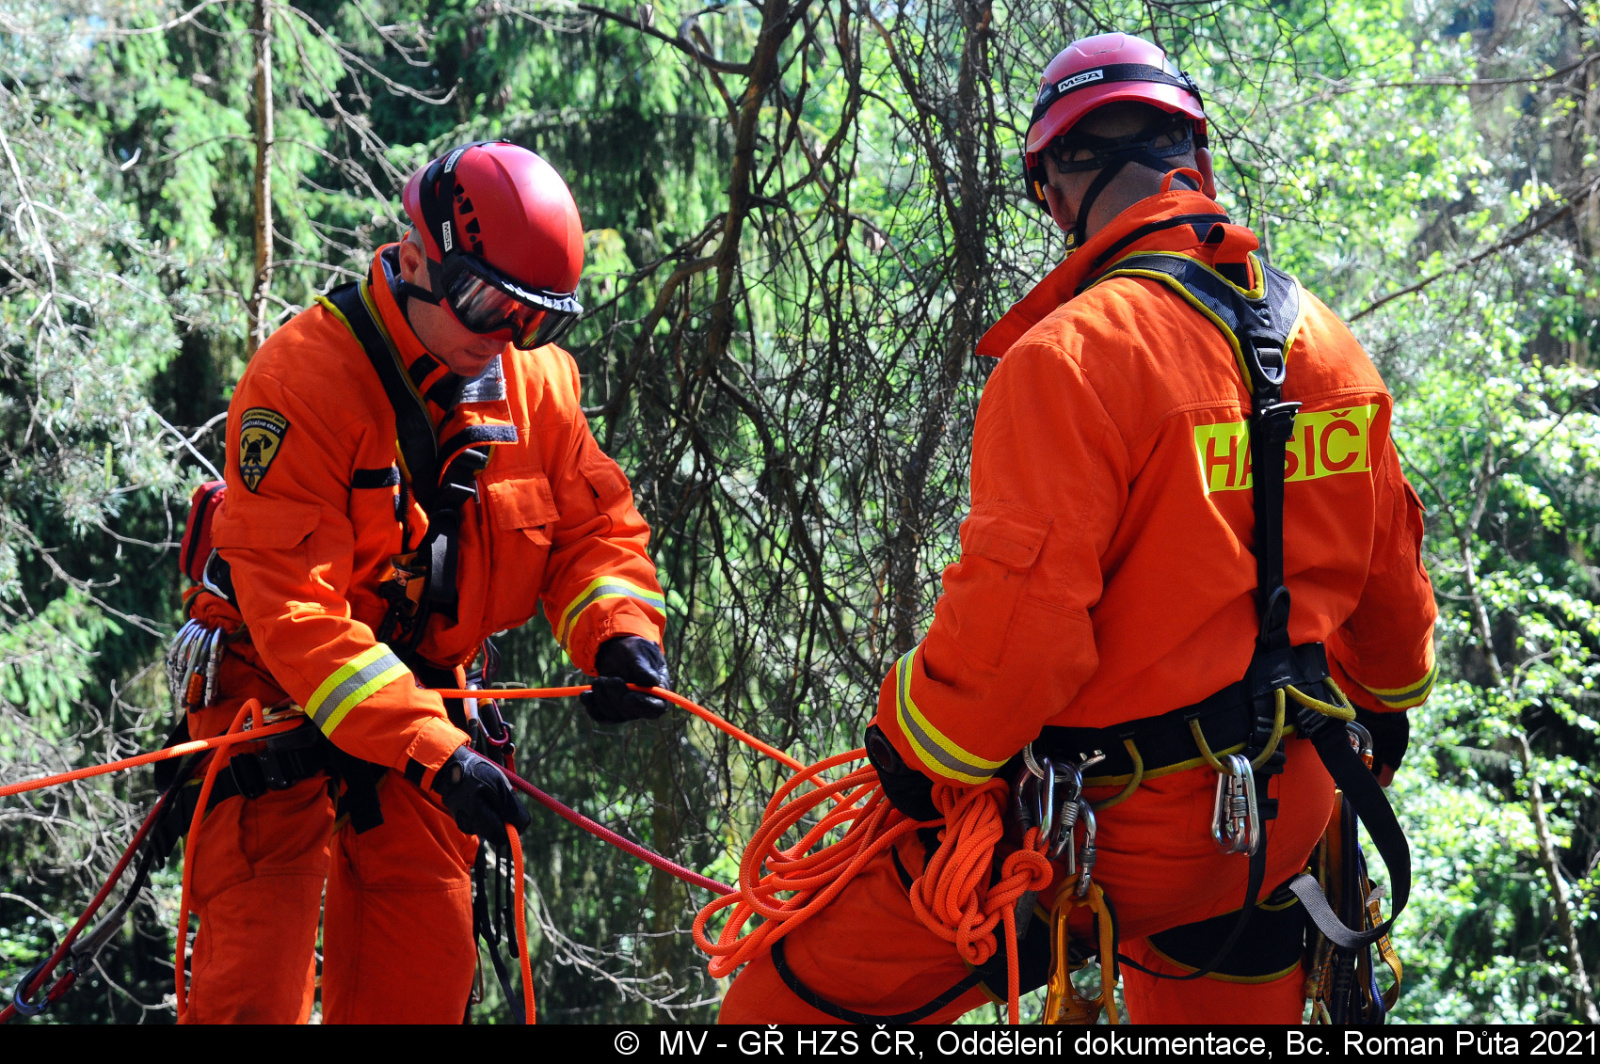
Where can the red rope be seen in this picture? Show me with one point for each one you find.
(600, 831)
(48, 968)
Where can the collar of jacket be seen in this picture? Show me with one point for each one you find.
(1211, 245)
(465, 413)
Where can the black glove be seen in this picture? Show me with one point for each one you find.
(622, 660)
(907, 789)
(1391, 734)
(479, 796)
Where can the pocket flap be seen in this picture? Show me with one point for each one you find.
(1006, 534)
(274, 526)
(522, 502)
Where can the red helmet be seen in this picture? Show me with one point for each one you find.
(504, 237)
(510, 208)
(1095, 71)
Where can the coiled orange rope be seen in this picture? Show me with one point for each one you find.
(952, 896)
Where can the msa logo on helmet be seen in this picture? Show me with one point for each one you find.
(1326, 443)
(453, 158)
(1079, 79)
(448, 236)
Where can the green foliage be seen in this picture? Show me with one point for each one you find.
(783, 300)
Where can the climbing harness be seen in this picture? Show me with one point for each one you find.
(1260, 324)
(425, 574)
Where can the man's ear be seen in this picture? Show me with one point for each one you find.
(1208, 174)
(411, 261)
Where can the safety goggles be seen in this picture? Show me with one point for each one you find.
(486, 301)
(483, 299)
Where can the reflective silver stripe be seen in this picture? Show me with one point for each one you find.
(932, 747)
(606, 588)
(351, 684)
(1405, 697)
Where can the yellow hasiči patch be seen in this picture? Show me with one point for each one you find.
(261, 433)
(1326, 443)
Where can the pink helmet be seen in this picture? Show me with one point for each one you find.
(1095, 71)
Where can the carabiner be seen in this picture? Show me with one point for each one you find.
(1089, 852)
(20, 1003)
(1235, 821)
(1046, 803)
(1070, 786)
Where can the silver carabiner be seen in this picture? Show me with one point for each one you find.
(1070, 786)
(1023, 787)
(1360, 739)
(213, 666)
(1090, 827)
(175, 652)
(1046, 803)
(1235, 820)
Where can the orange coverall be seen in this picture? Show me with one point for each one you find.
(308, 529)
(1106, 575)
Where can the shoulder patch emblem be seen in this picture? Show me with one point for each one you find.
(261, 432)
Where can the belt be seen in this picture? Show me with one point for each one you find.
(1159, 746)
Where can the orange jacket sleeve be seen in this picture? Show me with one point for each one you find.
(1382, 656)
(600, 581)
(289, 541)
(1011, 640)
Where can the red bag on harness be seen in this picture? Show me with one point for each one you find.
(204, 507)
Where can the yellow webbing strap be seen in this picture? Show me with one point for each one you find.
(1135, 778)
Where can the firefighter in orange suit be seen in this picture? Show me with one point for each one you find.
(1107, 578)
(380, 521)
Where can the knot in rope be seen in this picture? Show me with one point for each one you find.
(952, 896)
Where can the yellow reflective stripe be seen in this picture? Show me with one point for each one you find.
(351, 684)
(607, 587)
(1410, 695)
(931, 745)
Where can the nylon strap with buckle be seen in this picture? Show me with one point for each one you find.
(1260, 326)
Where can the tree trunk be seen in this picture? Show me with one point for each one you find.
(261, 282)
(1551, 863)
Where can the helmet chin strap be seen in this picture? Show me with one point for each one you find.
(1110, 160)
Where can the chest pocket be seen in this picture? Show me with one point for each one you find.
(521, 523)
(523, 504)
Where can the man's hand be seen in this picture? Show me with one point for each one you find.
(622, 660)
(479, 796)
(1391, 734)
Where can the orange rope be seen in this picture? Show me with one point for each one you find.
(251, 710)
(952, 897)
(530, 1013)
(181, 750)
(671, 696)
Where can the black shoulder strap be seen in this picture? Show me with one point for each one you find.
(1260, 326)
(441, 493)
(419, 445)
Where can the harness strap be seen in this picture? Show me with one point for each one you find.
(440, 492)
(1365, 795)
(1260, 325)
(839, 1012)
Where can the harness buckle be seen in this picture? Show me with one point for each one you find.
(1235, 820)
